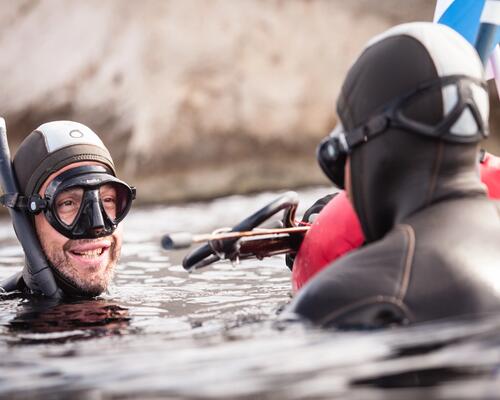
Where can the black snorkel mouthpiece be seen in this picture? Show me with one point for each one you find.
(39, 277)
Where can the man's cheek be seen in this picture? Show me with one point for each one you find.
(115, 255)
(46, 233)
(117, 241)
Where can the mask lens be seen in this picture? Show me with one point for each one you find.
(68, 203)
(115, 199)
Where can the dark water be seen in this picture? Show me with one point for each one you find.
(213, 334)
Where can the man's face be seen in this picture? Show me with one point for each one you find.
(88, 264)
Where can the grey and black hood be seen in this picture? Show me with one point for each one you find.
(44, 151)
(53, 146)
(398, 171)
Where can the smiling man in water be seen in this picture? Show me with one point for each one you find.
(67, 184)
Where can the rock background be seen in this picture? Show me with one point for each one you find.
(195, 98)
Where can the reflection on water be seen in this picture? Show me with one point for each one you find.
(44, 321)
(212, 334)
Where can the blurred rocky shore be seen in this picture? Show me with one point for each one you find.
(195, 98)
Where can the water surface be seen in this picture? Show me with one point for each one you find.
(213, 334)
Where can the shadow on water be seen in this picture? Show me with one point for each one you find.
(212, 334)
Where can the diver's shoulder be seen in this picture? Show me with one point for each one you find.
(369, 275)
(14, 283)
(447, 216)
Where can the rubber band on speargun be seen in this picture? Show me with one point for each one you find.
(229, 248)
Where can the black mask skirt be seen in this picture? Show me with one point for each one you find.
(84, 203)
(332, 152)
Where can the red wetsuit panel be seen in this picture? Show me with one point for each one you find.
(490, 175)
(337, 230)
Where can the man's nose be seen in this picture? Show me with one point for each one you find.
(97, 231)
(97, 219)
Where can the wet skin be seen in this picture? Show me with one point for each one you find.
(347, 179)
(88, 264)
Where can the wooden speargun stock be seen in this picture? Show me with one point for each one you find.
(245, 240)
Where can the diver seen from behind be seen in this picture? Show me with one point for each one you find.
(413, 109)
(69, 191)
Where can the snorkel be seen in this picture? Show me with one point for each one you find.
(39, 277)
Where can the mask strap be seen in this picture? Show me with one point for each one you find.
(373, 127)
(34, 204)
(13, 200)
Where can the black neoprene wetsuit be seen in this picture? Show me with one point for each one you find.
(432, 236)
(440, 262)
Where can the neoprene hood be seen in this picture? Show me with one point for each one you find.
(398, 171)
(46, 150)
(51, 147)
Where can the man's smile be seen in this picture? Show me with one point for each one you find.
(91, 254)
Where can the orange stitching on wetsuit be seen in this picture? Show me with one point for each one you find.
(370, 300)
(405, 280)
(404, 283)
(435, 170)
(364, 214)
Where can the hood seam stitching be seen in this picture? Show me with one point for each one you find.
(434, 176)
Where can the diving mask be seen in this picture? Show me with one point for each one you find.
(84, 203)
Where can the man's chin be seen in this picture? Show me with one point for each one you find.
(83, 275)
(87, 279)
(75, 286)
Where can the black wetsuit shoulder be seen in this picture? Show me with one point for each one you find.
(15, 283)
(365, 278)
(439, 263)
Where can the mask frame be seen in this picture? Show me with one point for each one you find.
(91, 221)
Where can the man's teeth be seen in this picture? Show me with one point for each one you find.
(89, 253)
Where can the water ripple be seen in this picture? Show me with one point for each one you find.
(213, 334)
